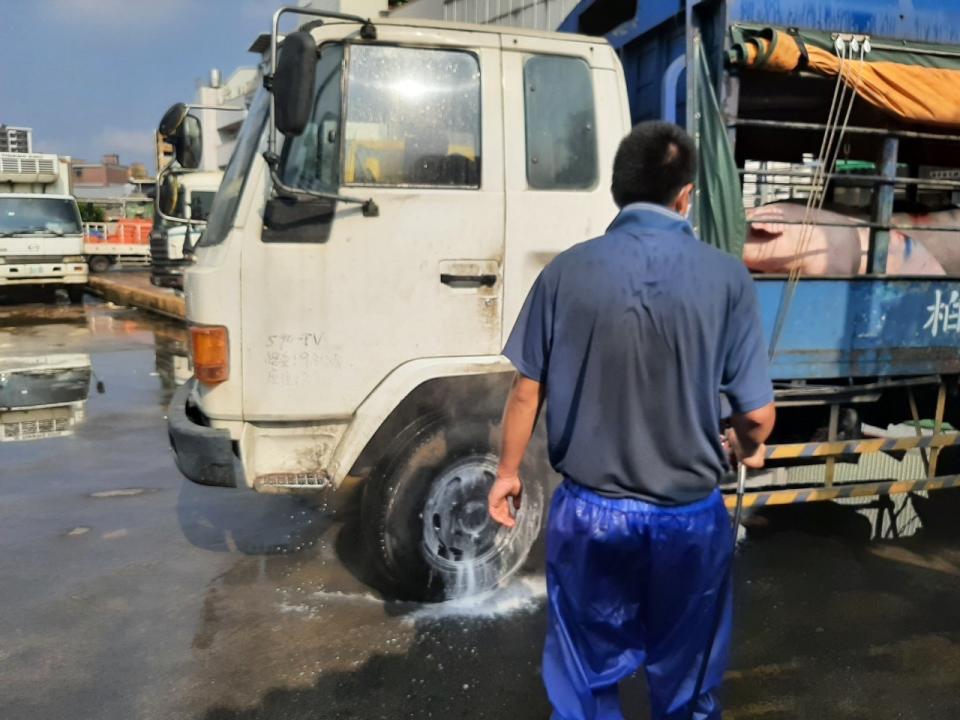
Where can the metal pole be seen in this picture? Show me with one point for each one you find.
(882, 210)
(851, 129)
(938, 426)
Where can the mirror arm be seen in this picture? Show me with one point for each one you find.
(370, 208)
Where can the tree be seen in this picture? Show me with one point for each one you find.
(91, 213)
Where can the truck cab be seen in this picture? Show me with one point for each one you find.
(365, 257)
(168, 240)
(41, 236)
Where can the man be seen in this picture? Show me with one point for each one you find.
(631, 338)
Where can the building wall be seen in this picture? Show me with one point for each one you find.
(220, 127)
(16, 139)
(109, 172)
(531, 14)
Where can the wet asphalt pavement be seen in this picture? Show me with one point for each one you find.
(126, 592)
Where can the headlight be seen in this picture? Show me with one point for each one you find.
(74, 258)
(3, 261)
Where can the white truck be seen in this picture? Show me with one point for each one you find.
(124, 242)
(41, 238)
(170, 243)
(357, 278)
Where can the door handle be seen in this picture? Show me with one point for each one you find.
(468, 281)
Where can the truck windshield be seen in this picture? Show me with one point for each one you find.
(224, 207)
(38, 216)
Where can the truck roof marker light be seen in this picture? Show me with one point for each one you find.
(210, 351)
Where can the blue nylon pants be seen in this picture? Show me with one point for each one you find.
(629, 585)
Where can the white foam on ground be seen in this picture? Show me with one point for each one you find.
(523, 594)
(337, 595)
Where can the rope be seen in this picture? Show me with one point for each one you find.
(826, 160)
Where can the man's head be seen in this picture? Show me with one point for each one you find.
(655, 163)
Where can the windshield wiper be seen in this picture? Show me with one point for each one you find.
(38, 231)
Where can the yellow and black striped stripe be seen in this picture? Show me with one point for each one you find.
(859, 447)
(888, 487)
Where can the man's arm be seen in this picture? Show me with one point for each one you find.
(746, 376)
(519, 418)
(750, 431)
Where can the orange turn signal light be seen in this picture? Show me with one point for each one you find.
(210, 349)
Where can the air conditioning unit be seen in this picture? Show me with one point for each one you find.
(29, 168)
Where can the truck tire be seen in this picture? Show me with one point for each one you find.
(75, 293)
(424, 513)
(99, 263)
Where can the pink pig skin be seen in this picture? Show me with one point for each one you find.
(772, 244)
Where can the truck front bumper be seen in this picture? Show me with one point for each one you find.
(43, 274)
(204, 454)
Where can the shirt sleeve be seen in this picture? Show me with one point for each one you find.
(746, 371)
(528, 346)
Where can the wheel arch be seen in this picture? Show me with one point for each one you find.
(450, 386)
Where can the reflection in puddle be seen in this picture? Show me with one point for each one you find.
(42, 396)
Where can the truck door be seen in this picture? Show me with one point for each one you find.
(564, 115)
(333, 300)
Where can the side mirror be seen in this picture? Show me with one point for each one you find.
(293, 82)
(182, 130)
(168, 195)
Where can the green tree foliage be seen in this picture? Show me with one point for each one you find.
(91, 213)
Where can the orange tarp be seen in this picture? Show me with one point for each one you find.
(928, 95)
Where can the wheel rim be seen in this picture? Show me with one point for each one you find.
(457, 529)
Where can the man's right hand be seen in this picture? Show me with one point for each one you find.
(505, 488)
(753, 457)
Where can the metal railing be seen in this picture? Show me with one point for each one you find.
(119, 232)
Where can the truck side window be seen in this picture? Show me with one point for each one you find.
(413, 117)
(200, 202)
(560, 125)
(311, 160)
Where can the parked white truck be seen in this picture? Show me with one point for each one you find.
(357, 279)
(41, 237)
(170, 243)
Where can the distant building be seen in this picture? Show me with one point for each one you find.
(530, 14)
(108, 184)
(16, 139)
(220, 127)
(102, 174)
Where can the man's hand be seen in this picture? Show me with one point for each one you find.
(752, 457)
(505, 488)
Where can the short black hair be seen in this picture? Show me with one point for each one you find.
(653, 164)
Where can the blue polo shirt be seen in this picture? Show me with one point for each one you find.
(636, 334)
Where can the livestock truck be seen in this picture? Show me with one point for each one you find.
(41, 238)
(398, 185)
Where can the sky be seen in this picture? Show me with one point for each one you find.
(94, 76)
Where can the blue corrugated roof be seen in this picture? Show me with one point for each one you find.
(936, 21)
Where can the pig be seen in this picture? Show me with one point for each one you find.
(771, 244)
(943, 245)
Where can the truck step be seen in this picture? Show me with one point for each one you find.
(292, 482)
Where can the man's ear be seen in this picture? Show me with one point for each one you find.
(682, 203)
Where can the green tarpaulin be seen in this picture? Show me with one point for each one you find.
(718, 208)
